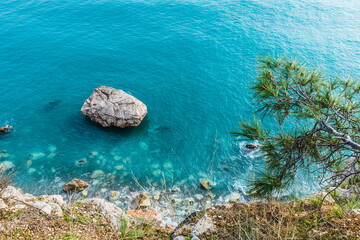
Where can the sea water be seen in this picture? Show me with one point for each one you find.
(190, 61)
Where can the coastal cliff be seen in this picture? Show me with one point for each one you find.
(24, 216)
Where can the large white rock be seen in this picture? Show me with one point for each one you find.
(111, 212)
(112, 107)
(12, 193)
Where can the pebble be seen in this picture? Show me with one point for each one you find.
(198, 196)
(175, 190)
(114, 195)
(97, 174)
(84, 193)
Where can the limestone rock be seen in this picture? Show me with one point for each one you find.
(203, 225)
(205, 184)
(58, 199)
(12, 193)
(75, 185)
(356, 211)
(112, 107)
(56, 209)
(147, 214)
(234, 197)
(141, 201)
(196, 228)
(3, 205)
(44, 207)
(111, 212)
(114, 195)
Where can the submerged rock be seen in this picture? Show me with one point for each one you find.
(52, 105)
(3, 154)
(6, 166)
(81, 162)
(97, 174)
(112, 107)
(75, 185)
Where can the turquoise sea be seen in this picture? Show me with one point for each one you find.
(190, 61)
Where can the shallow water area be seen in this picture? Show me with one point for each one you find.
(191, 62)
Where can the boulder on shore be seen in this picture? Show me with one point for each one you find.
(112, 107)
(75, 185)
(205, 184)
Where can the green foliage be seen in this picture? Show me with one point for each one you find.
(124, 222)
(326, 112)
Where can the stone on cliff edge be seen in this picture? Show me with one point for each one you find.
(112, 107)
(115, 215)
(76, 185)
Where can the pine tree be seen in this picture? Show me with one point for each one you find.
(326, 136)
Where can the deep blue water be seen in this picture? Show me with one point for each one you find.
(191, 62)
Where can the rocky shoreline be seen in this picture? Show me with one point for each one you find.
(25, 216)
(167, 208)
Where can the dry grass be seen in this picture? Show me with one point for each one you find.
(80, 221)
(273, 220)
(257, 220)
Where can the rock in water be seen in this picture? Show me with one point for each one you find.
(141, 201)
(251, 146)
(205, 184)
(5, 129)
(76, 185)
(112, 107)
